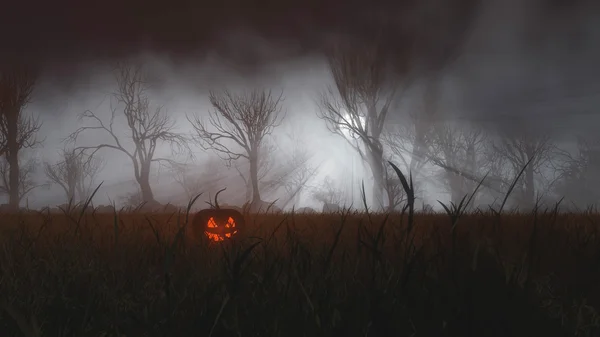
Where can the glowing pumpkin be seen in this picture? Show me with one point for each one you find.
(218, 224)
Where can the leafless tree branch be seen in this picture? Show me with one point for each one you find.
(359, 101)
(147, 128)
(74, 173)
(517, 149)
(17, 131)
(241, 122)
(26, 181)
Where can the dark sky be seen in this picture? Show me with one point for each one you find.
(59, 31)
(508, 51)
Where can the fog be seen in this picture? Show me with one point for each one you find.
(181, 95)
(521, 67)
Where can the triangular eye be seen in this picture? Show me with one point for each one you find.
(218, 232)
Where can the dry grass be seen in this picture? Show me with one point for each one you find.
(406, 274)
(128, 274)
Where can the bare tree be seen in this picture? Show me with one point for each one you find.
(288, 174)
(520, 148)
(292, 171)
(577, 173)
(133, 199)
(401, 143)
(26, 181)
(266, 164)
(247, 182)
(17, 131)
(463, 151)
(74, 174)
(430, 40)
(399, 139)
(459, 151)
(395, 191)
(413, 138)
(357, 105)
(422, 123)
(281, 170)
(241, 124)
(147, 127)
(298, 179)
(328, 192)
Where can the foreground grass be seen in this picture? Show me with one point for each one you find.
(134, 274)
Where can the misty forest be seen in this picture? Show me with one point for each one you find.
(425, 168)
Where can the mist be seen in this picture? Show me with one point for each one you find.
(523, 65)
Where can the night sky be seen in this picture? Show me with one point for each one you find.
(59, 35)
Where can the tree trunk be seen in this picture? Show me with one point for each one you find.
(418, 150)
(296, 198)
(249, 190)
(79, 188)
(248, 184)
(71, 193)
(254, 177)
(472, 165)
(456, 187)
(422, 124)
(391, 200)
(13, 160)
(80, 192)
(529, 187)
(376, 164)
(144, 181)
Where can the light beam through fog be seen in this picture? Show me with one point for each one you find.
(451, 125)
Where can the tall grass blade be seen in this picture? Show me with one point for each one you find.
(85, 205)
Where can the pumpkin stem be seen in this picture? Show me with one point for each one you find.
(216, 195)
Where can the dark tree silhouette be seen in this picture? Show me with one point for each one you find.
(577, 174)
(266, 164)
(74, 174)
(17, 131)
(358, 103)
(290, 173)
(297, 172)
(519, 148)
(283, 171)
(396, 196)
(328, 192)
(26, 182)
(461, 147)
(241, 124)
(147, 127)
(425, 43)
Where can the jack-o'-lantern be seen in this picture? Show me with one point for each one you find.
(218, 224)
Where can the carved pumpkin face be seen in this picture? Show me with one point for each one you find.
(217, 224)
(217, 232)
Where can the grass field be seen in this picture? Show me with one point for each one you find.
(134, 274)
(131, 273)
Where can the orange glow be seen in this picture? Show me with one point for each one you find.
(220, 233)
